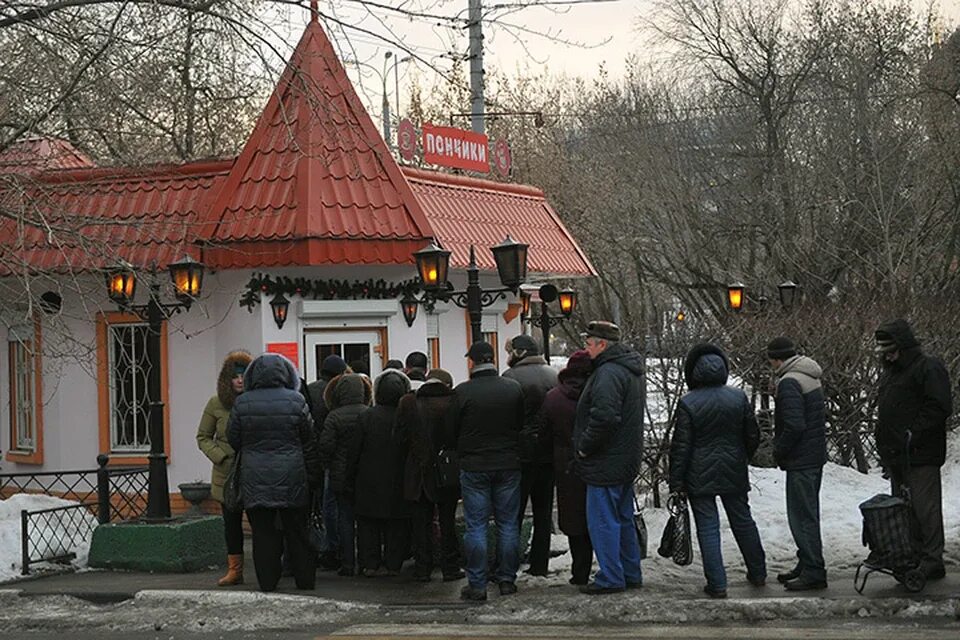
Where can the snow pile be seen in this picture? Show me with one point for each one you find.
(842, 492)
(61, 527)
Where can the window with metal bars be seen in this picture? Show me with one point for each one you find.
(129, 371)
(23, 402)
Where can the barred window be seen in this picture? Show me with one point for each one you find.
(129, 371)
(23, 401)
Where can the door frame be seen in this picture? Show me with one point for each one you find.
(381, 349)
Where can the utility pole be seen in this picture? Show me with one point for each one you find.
(386, 101)
(475, 15)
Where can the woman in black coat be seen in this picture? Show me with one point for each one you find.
(555, 427)
(271, 428)
(383, 516)
(714, 435)
(426, 423)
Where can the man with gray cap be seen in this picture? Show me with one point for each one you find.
(536, 377)
(608, 440)
(489, 416)
(913, 404)
(800, 449)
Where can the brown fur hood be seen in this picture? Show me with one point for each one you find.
(347, 389)
(225, 390)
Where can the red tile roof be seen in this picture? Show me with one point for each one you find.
(90, 218)
(465, 211)
(31, 155)
(315, 183)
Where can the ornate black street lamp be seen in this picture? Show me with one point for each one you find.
(409, 306)
(280, 306)
(548, 293)
(737, 297)
(433, 265)
(187, 278)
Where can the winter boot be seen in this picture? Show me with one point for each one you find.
(234, 571)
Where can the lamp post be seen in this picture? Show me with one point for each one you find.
(187, 278)
(548, 293)
(384, 74)
(737, 300)
(433, 265)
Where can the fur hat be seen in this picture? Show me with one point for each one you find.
(228, 371)
(442, 375)
(603, 330)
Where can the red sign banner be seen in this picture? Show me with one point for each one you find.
(407, 139)
(450, 147)
(287, 349)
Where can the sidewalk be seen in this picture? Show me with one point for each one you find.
(115, 586)
(107, 600)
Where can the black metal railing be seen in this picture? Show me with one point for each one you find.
(102, 495)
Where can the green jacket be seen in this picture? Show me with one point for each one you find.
(212, 439)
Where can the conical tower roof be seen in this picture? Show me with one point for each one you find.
(315, 183)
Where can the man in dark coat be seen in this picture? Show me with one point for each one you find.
(489, 416)
(383, 516)
(331, 367)
(346, 397)
(608, 440)
(555, 428)
(271, 428)
(714, 435)
(536, 377)
(425, 417)
(913, 405)
(800, 448)
(415, 366)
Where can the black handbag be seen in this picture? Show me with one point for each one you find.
(640, 526)
(232, 497)
(675, 542)
(448, 469)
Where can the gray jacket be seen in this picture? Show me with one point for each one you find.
(800, 437)
(536, 377)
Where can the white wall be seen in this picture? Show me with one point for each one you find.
(198, 340)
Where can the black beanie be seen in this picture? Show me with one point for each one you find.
(781, 348)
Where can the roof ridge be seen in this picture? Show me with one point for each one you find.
(417, 173)
(123, 174)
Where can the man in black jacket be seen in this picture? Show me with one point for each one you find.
(608, 440)
(489, 416)
(800, 448)
(913, 404)
(536, 377)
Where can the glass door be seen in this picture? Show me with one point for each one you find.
(359, 348)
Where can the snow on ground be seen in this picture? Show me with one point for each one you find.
(10, 542)
(842, 492)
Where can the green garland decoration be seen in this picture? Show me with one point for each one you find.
(370, 289)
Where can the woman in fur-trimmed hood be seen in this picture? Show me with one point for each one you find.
(212, 440)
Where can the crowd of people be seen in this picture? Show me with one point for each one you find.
(387, 461)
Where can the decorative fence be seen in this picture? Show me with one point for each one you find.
(102, 495)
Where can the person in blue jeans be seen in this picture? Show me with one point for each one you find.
(608, 440)
(714, 435)
(489, 414)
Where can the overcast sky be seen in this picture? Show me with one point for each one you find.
(608, 30)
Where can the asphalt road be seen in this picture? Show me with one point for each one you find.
(807, 630)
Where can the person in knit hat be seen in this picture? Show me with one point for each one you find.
(800, 449)
(555, 431)
(212, 440)
(913, 405)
